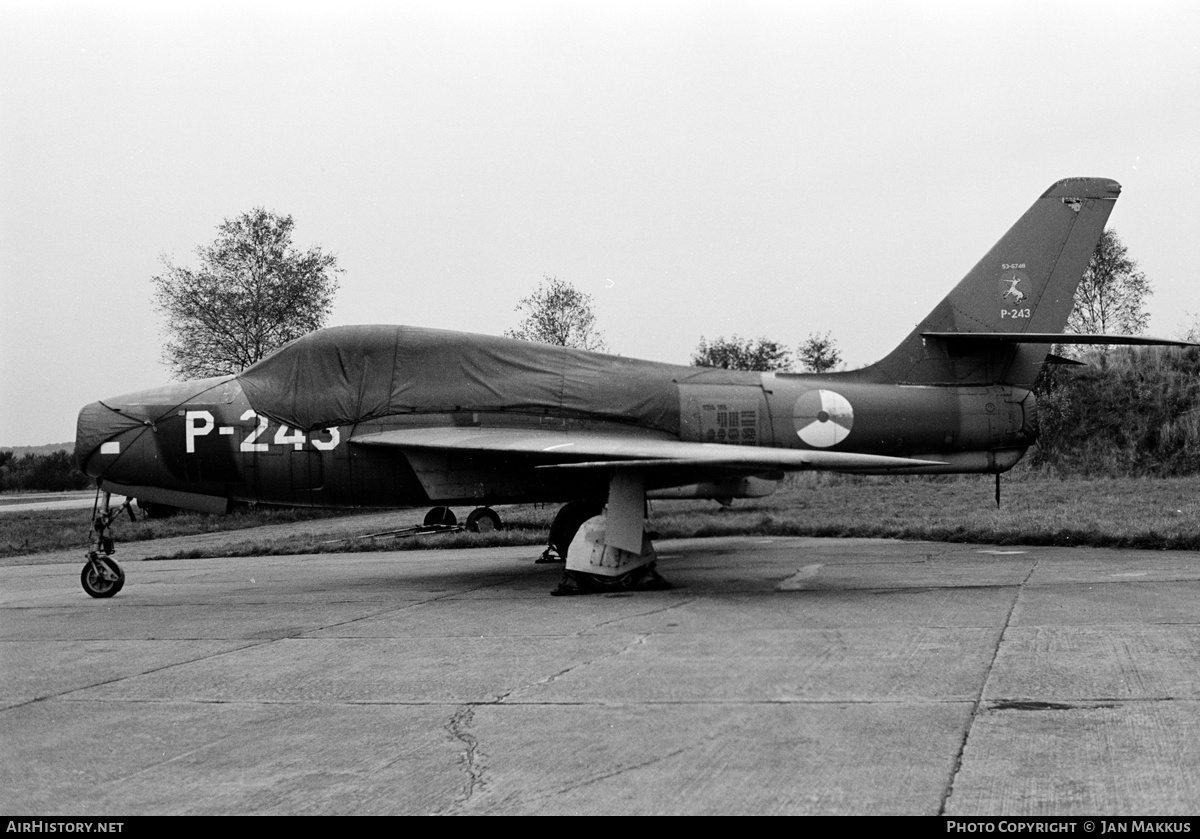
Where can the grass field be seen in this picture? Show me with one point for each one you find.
(1154, 513)
(57, 530)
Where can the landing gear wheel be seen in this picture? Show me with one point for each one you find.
(566, 524)
(484, 520)
(441, 515)
(102, 577)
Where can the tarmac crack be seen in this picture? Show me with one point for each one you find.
(978, 703)
(839, 701)
(65, 695)
(471, 758)
(636, 642)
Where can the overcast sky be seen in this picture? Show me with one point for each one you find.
(765, 169)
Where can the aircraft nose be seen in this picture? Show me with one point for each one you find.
(98, 436)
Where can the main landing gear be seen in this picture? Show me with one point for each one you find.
(605, 545)
(101, 576)
(480, 520)
(596, 567)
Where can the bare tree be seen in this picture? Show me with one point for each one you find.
(558, 313)
(737, 353)
(1189, 329)
(1112, 296)
(252, 293)
(819, 353)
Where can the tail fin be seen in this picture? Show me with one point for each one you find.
(1024, 285)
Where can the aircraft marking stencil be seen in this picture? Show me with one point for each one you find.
(731, 421)
(1014, 290)
(823, 418)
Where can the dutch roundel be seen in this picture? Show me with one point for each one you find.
(823, 418)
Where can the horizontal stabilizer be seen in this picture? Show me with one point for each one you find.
(1057, 338)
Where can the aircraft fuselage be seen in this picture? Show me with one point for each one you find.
(198, 444)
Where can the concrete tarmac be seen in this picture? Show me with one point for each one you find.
(782, 675)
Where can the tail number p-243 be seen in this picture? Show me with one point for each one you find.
(200, 423)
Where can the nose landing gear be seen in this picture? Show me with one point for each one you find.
(101, 576)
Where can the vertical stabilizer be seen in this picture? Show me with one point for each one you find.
(1025, 284)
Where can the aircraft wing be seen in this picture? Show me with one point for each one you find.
(592, 450)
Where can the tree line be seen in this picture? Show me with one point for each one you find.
(1131, 411)
(557, 313)
(52, 472)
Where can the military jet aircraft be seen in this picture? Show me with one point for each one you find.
(396, 416)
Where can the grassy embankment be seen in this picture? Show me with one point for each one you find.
(1153, 513)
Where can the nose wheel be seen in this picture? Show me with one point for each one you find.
(101, 576)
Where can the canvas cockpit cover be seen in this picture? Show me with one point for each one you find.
(350, 374)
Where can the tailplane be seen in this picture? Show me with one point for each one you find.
(990, 327)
